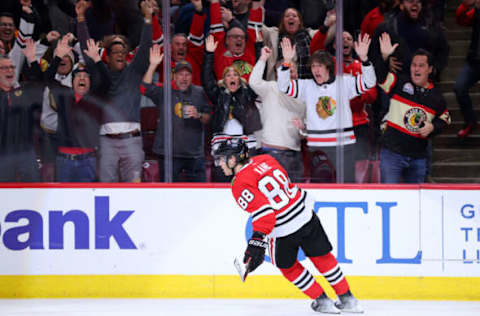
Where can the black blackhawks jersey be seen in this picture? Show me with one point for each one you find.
(410, 106)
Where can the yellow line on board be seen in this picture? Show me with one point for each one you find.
(229, 286)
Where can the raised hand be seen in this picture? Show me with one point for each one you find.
(26, 6)
(63, 49)
(330, 19)
(70, 37)
(93, 50)
(386, 47)
(394, 65)
(265, 53)
(361, 46)
(25, 3)
(288, 50)
(80, 9)
(30, 50)
(147, 8)
(53, 36)
(156, 55)
(210, 44)
(227, 15)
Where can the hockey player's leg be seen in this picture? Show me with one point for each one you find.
(328, 266)
(305, 282)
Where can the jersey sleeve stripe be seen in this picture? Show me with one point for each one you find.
(289, 218)
(292, 208)
(261, 213)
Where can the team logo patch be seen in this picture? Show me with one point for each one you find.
(413, 119)
(326, 107)
(18, 93)
(178, 110)
(242, 67)
(408, 88)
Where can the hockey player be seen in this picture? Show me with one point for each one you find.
(283, 221)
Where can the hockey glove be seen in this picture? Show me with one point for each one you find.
(255, 253)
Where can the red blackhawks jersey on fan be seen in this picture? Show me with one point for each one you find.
(277, 206)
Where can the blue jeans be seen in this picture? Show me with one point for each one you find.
(466, 79)
(396, 167)
(185, 169)
(83, 170)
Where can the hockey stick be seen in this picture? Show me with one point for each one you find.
(242, 269)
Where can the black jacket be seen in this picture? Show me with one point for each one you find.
(17, 113)
(240, 104)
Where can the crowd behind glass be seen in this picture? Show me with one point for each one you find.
(82, 88)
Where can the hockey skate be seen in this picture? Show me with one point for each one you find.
(348, 303)
(323, 304)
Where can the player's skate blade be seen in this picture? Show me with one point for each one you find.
(325, 305)
(348, 304)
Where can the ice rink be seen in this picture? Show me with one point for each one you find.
(220, 307)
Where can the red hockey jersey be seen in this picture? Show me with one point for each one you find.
(277, 206)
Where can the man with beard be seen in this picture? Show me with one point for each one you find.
(412, 28)
(121, 148)
(377, 15)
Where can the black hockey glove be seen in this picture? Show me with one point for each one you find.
(255, 252)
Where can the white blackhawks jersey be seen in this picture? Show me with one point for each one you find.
(323, 108)
(277, 206)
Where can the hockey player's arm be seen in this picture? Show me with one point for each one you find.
(255, 252)
(250, 199)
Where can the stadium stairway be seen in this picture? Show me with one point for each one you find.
(456, 160)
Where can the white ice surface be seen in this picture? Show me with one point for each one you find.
(221, 307)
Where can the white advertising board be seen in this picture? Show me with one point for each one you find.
(198, 231)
